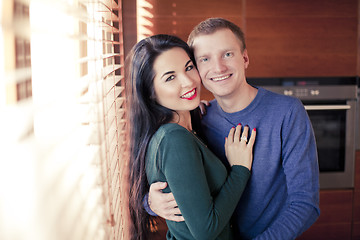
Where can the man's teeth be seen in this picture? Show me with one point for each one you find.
(188, 95)
(220, 78)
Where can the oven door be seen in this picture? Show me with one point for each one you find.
(334, 128)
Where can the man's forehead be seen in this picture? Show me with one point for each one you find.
(205, 49)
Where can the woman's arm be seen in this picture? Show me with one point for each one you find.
(183, 167)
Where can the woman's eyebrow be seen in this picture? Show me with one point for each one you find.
(188, 62)
(169, 72)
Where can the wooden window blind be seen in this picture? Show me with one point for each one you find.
(63, 156)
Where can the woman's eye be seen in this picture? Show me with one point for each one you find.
(189, 68)
(170, 78)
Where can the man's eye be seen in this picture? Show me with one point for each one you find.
(203, 60)
(229, 54)
(170, 78)
(189, 68)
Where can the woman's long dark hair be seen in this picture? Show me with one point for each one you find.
(145, 117)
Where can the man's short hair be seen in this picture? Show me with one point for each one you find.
(211, 25)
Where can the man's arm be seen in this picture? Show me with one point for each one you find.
(302, 178)
(163, 204)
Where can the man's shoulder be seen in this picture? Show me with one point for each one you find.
(213, 111)
(276, 99)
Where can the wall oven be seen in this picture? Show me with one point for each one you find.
(331, 105)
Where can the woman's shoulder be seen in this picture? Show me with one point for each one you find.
(171, 131)
(169, 136)
(170, 127)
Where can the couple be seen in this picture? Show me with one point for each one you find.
(275, 196)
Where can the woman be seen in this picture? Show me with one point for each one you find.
(164, 86)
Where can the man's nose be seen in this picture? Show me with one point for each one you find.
(219, 66)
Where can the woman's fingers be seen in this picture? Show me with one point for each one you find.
(231, 135)
(237, 133)
(252, 138)
(244, 136)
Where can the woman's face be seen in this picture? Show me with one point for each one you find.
(177, 82)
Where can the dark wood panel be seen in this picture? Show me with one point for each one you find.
(300, 8)
(335, 221)
(129, 25)
(282, 65)
(302, 38)
(205, 94)
(356, 231)
(328, 232)
(356, 214)
(196, 8)
(358, 42)
(178, 17)
(159, 233)
(335, 206)
(180, 26)
(357, 170)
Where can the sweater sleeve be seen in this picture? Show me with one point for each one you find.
(182, 165)
(302, 177)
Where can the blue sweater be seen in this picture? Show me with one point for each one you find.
(281, 199)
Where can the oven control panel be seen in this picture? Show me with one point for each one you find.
(301, 92)
(345, 92)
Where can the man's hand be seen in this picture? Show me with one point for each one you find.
(163, 204)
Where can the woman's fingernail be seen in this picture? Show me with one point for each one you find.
(254, 129)
(239, 124)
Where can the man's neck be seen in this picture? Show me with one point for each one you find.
(239, 100)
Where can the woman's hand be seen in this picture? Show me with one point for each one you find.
(238, 150)
(202, 106)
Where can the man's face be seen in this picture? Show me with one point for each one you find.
(220, 62)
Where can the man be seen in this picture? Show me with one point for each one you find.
(281, 199)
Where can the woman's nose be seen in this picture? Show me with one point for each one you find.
(186, 81)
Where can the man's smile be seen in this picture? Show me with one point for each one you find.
(216, 79)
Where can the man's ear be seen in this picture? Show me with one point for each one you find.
(246, 58)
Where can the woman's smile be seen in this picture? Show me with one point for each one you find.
(190, 95)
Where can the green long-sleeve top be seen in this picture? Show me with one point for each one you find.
(205, 193)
